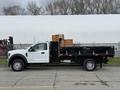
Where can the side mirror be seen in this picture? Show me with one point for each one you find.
(31, 49)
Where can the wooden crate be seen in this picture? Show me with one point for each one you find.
(68, 42)
(57, 37)
(62, 43)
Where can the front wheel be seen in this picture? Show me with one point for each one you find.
(89, 65)
(17, 65)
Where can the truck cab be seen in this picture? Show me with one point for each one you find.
(37, 53)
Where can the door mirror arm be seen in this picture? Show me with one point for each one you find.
(31, 49)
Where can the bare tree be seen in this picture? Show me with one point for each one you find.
(67, 7)
(79, 6)
(13, 10)
(63, 7)
(34, 9)
(51, 8)
(116, 8)
(101, 6)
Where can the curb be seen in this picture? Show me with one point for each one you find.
(3, 66)
(112, 65)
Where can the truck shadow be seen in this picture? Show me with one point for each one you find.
(63, 68)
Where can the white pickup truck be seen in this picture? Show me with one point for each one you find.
(51, 53)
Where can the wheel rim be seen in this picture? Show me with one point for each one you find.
(90, 65)
(17, 65)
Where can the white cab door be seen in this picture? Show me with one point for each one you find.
(39, 53)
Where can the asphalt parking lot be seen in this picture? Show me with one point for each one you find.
(60, 78)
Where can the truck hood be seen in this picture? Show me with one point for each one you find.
(17, 51)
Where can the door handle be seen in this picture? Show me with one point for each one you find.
(42, 52)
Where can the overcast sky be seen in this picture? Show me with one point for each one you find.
(23, 3)
(81, 28)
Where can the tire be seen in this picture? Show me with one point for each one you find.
(89, 65)
(17, 65)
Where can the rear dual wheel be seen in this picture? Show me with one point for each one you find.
(89, 65)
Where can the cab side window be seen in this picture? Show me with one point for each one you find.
(40, 46)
